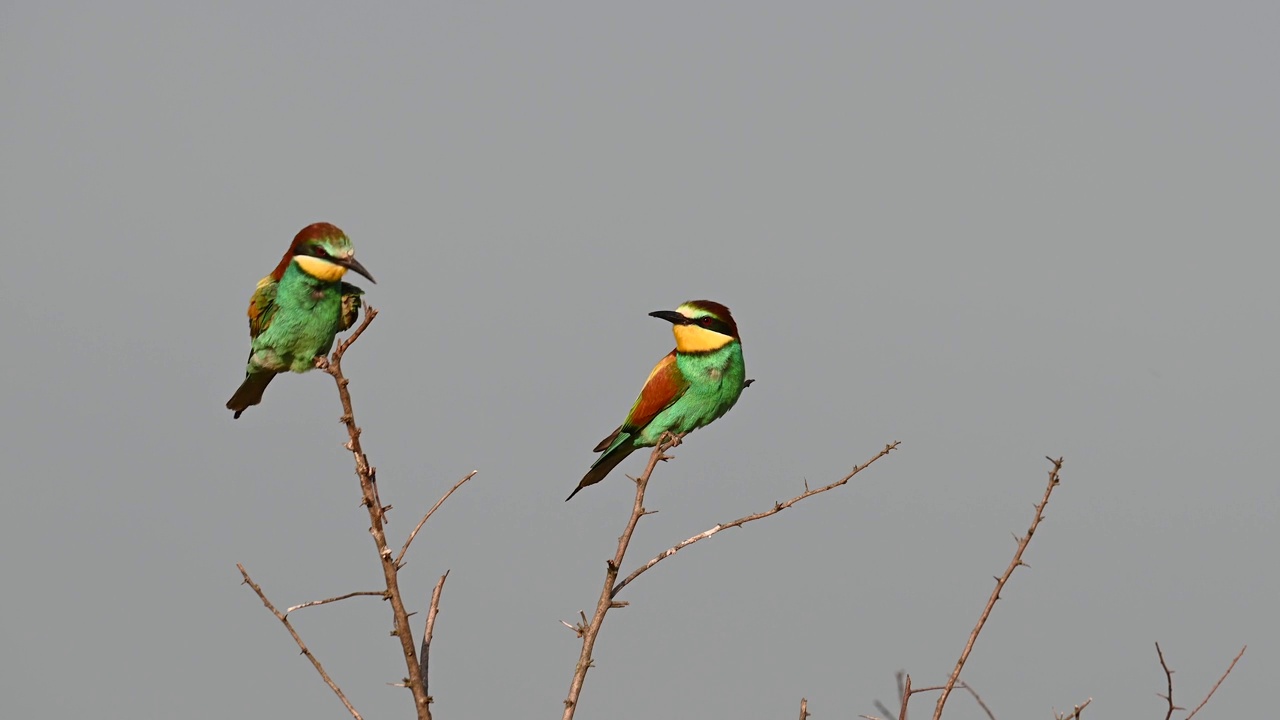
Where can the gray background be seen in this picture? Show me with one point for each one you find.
(989, 230)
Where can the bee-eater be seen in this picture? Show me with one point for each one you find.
(297, 310)
(693, 385)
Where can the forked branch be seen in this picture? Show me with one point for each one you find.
(589, 630)
(777, 508)
(368, 476)
(284, 618)
(1168, 675)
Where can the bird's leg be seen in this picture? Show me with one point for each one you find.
(321, 362)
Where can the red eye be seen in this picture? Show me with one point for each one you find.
(704, 321)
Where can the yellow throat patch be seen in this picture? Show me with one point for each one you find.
(320, 269)
(694, 339)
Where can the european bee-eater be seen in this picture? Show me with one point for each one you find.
(298, 309)
(693, 385)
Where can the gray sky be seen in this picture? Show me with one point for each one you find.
(994, 231)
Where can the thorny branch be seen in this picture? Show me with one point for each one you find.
(283, 617)
(1214, 689)
(777, 508)
(1168, 674)
(1000, 583)
(377, 520)
(590, 630)
(416, 679)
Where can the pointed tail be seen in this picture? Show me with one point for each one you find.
(602, 466)
(250, 391)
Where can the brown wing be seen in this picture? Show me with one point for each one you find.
(665, 385)
(262, 306)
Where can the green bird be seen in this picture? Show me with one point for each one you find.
(689, 388)
(297, 310)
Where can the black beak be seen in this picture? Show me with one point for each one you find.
(351, 263)
(670, 316)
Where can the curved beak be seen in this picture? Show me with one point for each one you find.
(351, 263)
(670, 316)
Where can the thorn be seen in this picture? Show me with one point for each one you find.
(619, 604)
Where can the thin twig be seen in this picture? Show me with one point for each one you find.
(1000, 582)
(1213, 690)
(981, 704)
(777, 508)
(377, 520)
(425, 652)
(1168, 675)
(379, 593)
(301, 645)
(804, 709)
(1075, 711)
(906, 696)
(431, 512)
(590, 631)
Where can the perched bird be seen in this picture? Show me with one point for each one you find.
(693, 385)
(298, 309)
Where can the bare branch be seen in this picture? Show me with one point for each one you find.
(777, 508)
(431, 512)
(590, 631)
(981, 704)
(804, 709)
(906, 696)
(1230, 667)
(425, 652)
(1000, 583)
(377, 521)
(301, 645)
(379, 593)
(1168, 674)
(1075, 711)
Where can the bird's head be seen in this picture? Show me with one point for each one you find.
(700, 326)
(322, 251)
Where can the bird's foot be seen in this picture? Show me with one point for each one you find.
(321, 362)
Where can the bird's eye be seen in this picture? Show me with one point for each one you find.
(318, 251)
(705, 321)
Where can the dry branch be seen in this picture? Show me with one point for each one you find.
(375, 593)
(1168, 674)
(589, 631)
(977, 698)
(1075, 711)
(377, 519)
(1214, 689)
(282, 617)
(1000, 583)
(777, 508)
(804, 709)
(425, 653)
(425, 518)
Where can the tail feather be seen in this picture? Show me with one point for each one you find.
(250, 391)
(602, 466)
